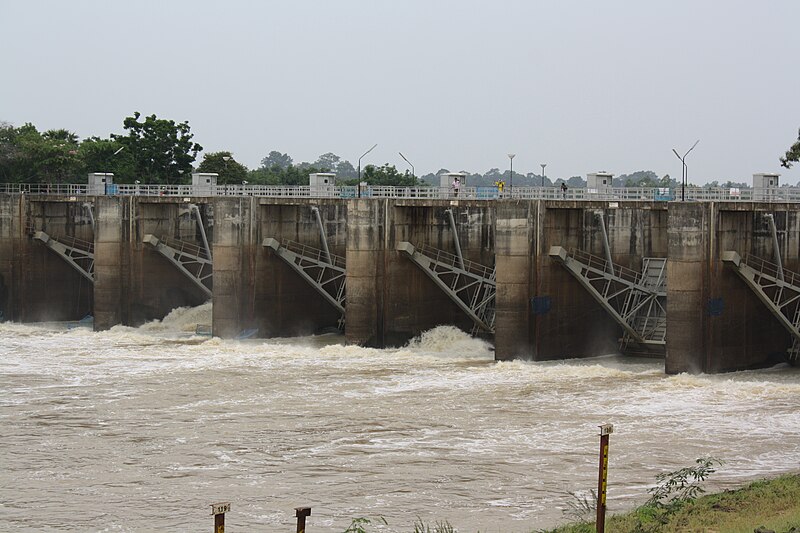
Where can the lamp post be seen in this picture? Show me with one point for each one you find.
(511, 181)
(685, 173)
(543, 175)
(409, 162)
(359, 167)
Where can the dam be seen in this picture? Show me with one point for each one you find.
(709, 285)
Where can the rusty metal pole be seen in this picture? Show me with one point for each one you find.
(302, 513)
(605, 431)
(219, 510)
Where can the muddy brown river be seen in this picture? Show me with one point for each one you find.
(141, 429)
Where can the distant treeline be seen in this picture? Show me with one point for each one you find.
(161, 151)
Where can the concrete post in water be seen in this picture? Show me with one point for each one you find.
(516, 242)
(366, 260)
(602, 479)
(302, 513)
(219, 510)
(110, 277)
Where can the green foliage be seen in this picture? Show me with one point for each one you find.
(105, 155)
(387, 175)
(792, 154)
(291, 175)
(276, 159)
(29, 156)
(439, 527)
(230, 171)
(582, 506)
(674, 489)
(359, 525)
(162, 151)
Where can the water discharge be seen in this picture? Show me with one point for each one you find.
(140, 429)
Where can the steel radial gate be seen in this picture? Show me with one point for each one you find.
(321, 269)
(635, 300)
(77, 253)
(776, 287)
(470, 285)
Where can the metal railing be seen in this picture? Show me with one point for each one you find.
(766, 268)
(452, 260)
(186, 248)
(647, 194)
(598, 263)
(314, 254)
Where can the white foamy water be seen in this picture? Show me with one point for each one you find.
(140, 429)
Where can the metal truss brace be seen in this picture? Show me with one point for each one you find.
(77, 253)
(776, 287)
(189, 258)
(471, 287)
(636, 301)
(322, 270)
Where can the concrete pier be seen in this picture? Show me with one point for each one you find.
(715, 323)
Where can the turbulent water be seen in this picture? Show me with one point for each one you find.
(142, 429)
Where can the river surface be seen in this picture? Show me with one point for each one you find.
(141, 429)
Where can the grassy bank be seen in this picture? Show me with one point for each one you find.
(774, 504)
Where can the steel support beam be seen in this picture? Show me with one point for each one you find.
(778, 289)
(471, 287)
(78, 254)
(187, 258)
(636, 301)
(327, 277)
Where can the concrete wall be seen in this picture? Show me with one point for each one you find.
(283, 303)
(413, 302)
(367, 234)
(714, 323)
(564, 320)
(41, 286)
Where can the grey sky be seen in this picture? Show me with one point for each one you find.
(581, 86)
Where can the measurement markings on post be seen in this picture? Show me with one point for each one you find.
(220, 508)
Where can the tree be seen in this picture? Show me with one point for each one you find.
(346, 170)
(277, 159)
(792, 154)
(29, 156)
(105, 155)
(162, 151)
(229, 170)
(387, 175)
(328, 162)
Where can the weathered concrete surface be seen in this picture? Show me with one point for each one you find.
(742, 332)
(689, 229)
(109, 274)
(232, 229)
(367, 228)
(714, 323)
(10, 233)
(283, 303)
(575, 325)
(44, 286)
(413, 302)
(516, 237)
(153, 285)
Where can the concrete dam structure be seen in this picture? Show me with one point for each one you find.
(709, 286)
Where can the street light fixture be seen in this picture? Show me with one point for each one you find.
(685, 174)
(362, 157)
(359, 167)
(409, 162)
(543, 175)
(511, 181)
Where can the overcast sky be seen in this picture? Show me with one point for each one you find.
(579, 85)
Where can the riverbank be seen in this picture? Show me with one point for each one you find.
(772, 504)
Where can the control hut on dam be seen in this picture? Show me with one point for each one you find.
(710, 285)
